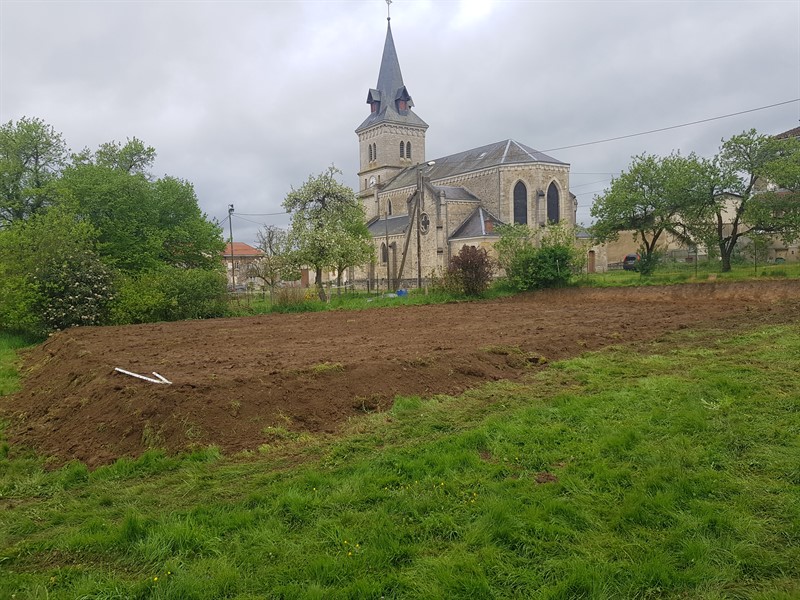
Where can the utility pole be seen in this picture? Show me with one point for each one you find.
(414, 217)
(233, 262)
(421, 205)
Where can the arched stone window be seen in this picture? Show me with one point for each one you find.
(408, 149)
(370, 153)
(553, 204)
(384, 253)
(402, 150)
(520, 203)
(389, 207)
(374, 151)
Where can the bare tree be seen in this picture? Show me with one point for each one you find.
(277, 263)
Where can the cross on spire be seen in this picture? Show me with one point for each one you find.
(388, 10)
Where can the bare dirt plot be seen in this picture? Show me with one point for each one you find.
(234, 379)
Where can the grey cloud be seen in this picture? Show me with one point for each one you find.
(246, 99)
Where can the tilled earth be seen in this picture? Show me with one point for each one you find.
(236, 381)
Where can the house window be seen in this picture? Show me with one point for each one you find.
(520, 204)
(402, 150)
(384, 254)
(408, 149)
(553, 215)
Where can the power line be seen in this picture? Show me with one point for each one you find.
(590, 192)
(264, 214)
(572, 187)
(249, 220)
(623, 137)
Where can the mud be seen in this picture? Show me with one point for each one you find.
(239, 383)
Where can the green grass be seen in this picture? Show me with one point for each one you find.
(9, 345)
(674, 272)
(666, 274)
(256, 304)
(668, 471)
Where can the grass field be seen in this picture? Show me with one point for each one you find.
(666, 471)
(667, 274)
(676, 272)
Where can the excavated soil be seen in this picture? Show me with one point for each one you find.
(237, 383)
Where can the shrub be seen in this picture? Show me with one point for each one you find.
(51, 276)
(529, 267)
(171, 294)
(470, 271)
(648, 263)
(76, 290)
(294, 299)
(550, 266)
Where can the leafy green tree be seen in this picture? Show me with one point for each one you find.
(141, 224)
(132, 157)
(52, 278)
(751, 188)
(327, 230)
(538, 259)
(75, 232)
(352, 243)
(186, 236)
(647, 200)
(32, 155)
(514, 239)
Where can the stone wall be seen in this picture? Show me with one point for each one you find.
(387, 138)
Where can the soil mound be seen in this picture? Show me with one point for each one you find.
(239, 383)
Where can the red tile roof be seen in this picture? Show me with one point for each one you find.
(241, 249)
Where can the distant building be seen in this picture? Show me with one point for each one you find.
(442, 205)
(237, 264)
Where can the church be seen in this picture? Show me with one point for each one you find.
(421, 212)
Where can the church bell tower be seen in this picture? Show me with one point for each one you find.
(392, 137)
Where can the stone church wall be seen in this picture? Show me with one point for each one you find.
(387, 140)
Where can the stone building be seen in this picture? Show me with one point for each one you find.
(421, 212)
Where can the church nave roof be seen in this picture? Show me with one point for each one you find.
(507, 152)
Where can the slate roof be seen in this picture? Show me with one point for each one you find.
(455, 193)
(396, 225)
(789, 134)
(507, 152)
(475, 225)
(390, 88)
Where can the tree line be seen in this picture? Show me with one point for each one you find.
(92, 238)
(750, 188)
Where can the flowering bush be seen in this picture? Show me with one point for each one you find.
(75, 290)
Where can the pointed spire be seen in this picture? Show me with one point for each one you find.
(390, 79)
(390, 99)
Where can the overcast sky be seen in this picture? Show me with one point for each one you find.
(246, 99)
